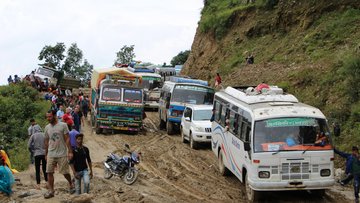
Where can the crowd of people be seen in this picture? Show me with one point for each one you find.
(58, 148)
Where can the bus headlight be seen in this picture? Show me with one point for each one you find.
(325, 172)
(264, 174)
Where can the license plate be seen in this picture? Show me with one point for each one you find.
(121, 128)
(208, 137)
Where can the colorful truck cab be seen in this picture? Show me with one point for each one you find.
(117, 101)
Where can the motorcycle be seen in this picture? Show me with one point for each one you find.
(123, 167)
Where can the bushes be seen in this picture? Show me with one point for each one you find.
(19, 103)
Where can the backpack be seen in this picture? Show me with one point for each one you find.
(85, 103)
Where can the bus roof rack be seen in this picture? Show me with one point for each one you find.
(258, 94)
(181, 79)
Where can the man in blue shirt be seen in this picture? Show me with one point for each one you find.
(72, 135)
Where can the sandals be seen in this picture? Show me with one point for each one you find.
(48, 195)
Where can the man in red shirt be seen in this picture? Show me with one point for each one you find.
(67, 118)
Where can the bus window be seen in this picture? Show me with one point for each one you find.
(239, 132)
(235, 125)
(245, 130)
(224, 114)
(218, 108)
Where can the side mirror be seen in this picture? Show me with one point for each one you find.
(127, 146)
(187, 119)
(337, 130)
(247, 146)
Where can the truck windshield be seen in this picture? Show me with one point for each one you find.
(202, 115)
(111, 94)
(192, 94)
(291, 134)
(150, 83)
(132, 95)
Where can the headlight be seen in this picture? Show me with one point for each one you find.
(325, 172)
(264, 174)
(199, 129)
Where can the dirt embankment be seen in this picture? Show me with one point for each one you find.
(169, 172)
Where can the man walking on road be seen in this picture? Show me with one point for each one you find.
(352, 169)
(81, 164)
(57, 151)
(30, 132)
(37, 141)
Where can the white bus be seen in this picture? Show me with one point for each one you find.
(267, 140)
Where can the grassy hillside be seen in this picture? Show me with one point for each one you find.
(19, 103)
(310, 48)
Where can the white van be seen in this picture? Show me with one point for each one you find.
(267, 140)
(195, 125)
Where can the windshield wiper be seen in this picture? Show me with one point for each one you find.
(307, 149)
(280, 150)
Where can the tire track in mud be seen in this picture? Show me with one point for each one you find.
(177, 166)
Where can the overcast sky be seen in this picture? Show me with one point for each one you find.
(159, 29)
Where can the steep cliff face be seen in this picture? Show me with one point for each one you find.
(311, 48)
(285, 38)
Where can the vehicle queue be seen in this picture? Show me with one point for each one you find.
(265, 137)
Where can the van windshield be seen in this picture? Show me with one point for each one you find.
(202, 115)
(111, 94)
(132, 95)
(192, 94)
(291, 134)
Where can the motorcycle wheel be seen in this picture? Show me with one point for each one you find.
(130, 176)
(107, 173)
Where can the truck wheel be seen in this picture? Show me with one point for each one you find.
(162, 124)
(98, 130)
(252, 195)
(193, 144)
(222, 168)
(169, 128)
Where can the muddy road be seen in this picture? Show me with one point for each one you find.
(170, 171)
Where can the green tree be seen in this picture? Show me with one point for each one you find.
(53, 55)
(181, 58)
(85, 72)
(125, 55)
(72, 64)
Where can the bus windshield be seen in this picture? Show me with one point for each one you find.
(150, 83)
(132, 95)
(111, 93)
(192, 94)
(291, 134)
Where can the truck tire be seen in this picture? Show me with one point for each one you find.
(162, 125)
(169, 128)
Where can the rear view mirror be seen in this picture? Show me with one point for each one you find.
(187, 119)
(247, 146)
